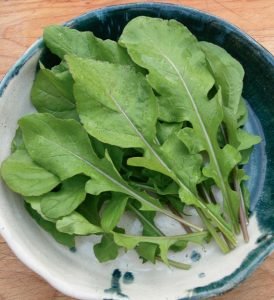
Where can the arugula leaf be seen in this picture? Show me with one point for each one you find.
(121, 110)
(62, 40)
(35, 204)
(228, 73)
(176, 62)
(148, 251)
(66, 200)
(107, 249)
(52, 93)
(164, 130)
(62, 238)
(164, 242)
(113, 211)
(63, 147)
(17, 142)
(90, 208)
(76, 224)
(25, 177)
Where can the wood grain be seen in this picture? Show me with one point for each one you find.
(22, 21)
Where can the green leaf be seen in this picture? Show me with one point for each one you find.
(76, 224)
(90, 208)
(147, 220)
(17, 142)
(63, 147)
(164, 242)
(107, 249)
(25, 177)
(62, 238)
(175, 62)
(63, 40)
(120, 108)
(64, 201)
(35, 203)
(148, 251)
(164, 130)
(52, 93)
(228, 73)
(113, 211)
(242, 113)
(247, 140)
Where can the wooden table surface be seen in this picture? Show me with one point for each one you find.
(22, 21)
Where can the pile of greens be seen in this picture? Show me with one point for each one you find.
(151, 124)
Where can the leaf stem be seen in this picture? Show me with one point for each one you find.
(176, 264)
(174, 210)
(220, 242)
(156, 230)
(242, 211)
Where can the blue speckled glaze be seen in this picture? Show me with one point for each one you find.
(258, 90)
(128, 278)
(115, 288)
(195, 256)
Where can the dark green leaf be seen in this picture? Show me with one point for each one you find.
(62, 238)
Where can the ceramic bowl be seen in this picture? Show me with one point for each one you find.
(78, 274)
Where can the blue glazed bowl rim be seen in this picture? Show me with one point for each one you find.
(266, 245)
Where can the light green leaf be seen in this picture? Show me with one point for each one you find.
(113, 211)
(66, 200)
(247, 140)
(164, 242)
(35, 203)
(175, 62)
(242, 113)
(25, 177)
(63, 40)
(228, 73)
(17, 142)
(164, 130)
(52, 93)
(147, 251)
(77, 224)
(120, 108)
(107, 249)
(63, 147)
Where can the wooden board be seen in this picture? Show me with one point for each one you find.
(22, 21)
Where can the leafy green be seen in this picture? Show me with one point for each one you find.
(228, 73)
(52, 93)
(164, 242)
(63, 40)
(175, 62)
(90, 208)
(107, 249)
(76, 224)
(62, 238)
(143, 126)
(113, 211)
(17, 142)
(111, 113)
(63, 147)
(25, 177)
(64, 201)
